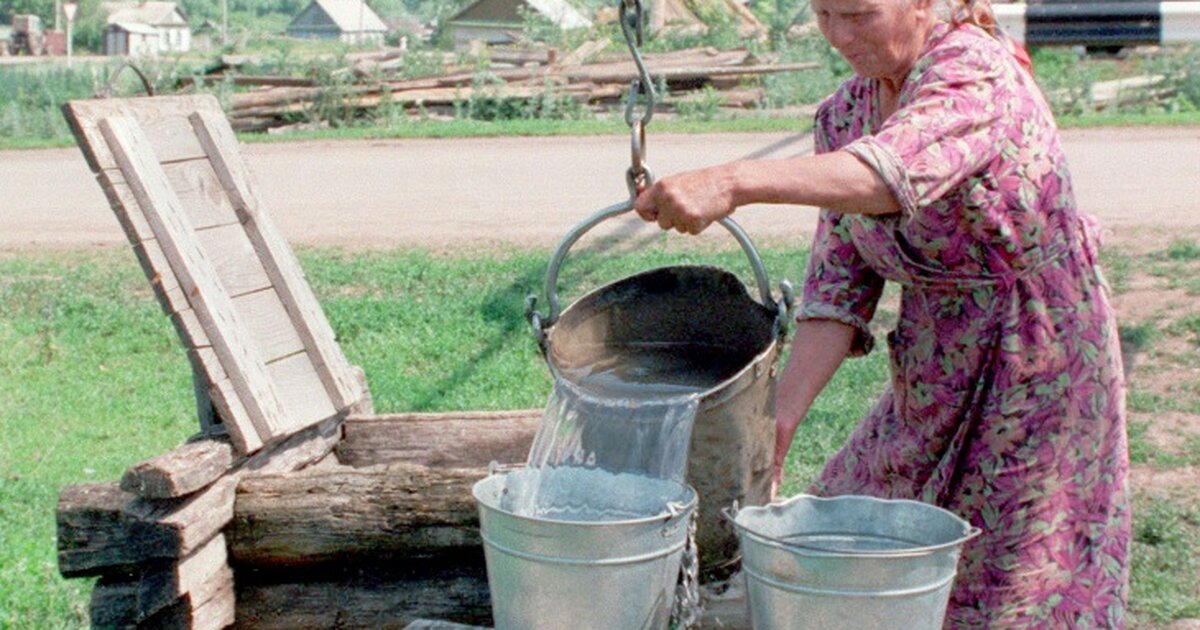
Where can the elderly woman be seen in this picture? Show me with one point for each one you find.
(939, 167)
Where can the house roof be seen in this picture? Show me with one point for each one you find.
(347, 15)
(507, 13)
(155, 13)
(135, 27)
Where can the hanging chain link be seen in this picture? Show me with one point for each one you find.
(632, 19)
(687, 607)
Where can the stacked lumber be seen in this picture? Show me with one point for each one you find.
(365, 522)
(597, 82)
(155, 538)
(386, 537)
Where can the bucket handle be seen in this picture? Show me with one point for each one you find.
(540, 322)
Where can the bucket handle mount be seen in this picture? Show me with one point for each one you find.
(540, 322)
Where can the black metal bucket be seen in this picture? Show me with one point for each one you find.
(706, 319)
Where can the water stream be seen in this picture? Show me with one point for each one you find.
(613, 444)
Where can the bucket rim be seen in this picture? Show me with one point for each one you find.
(666, 516)
(704, 395)
(968, 531)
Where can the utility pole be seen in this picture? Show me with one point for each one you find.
(57, 11)
(224, 22)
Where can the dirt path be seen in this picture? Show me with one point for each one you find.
(446, 193)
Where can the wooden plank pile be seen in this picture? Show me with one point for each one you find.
(599, 83)
(364, 523)
(155, 539)
(387, 536)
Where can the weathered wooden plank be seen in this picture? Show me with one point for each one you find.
(103, 529)
(162, 277)
(211, 606)
(354, 514)
(228, 405)
(220, 145)
(200, 193)
(163, 117)
(365, 596)
(180, 472)
(229, 338)
(124, 206)
(233, 258)
(459, 439)
(300, 388)
(95, 535)
(191, 333)
(125, 600)
(267, 320)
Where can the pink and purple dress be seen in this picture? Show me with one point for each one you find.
(1006, 404)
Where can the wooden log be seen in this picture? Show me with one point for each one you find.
(365, 596)
(210, 607)
(245, 79)
(182, 471)
(128, 599)
(354, 514)
(103, 529)
(464, 440)
(246, 103)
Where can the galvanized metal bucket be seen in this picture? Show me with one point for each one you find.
(708, 315)
(849, 562)
(573, 570)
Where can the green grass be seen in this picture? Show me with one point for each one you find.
(1165, 538)
(93, 379)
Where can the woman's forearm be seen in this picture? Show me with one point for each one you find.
(817, 349)
(689, 202)
(838, 181)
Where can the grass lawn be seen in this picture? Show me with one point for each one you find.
(93, 379)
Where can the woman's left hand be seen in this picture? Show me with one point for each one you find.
(691, 201)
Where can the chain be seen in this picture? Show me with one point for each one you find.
(687, 608)
(632, 21)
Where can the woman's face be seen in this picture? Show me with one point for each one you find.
(880, 38)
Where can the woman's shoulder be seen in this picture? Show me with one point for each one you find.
(841, 116)
(963, 49)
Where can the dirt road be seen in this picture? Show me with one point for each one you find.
(445, 193)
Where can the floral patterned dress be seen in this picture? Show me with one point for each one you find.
(1006, 404)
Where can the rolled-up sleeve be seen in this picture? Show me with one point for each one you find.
(946, 129)
(839, 285)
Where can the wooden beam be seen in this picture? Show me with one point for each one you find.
(127, 599)
(104, 530)
(348, 515)
(180, 472)
(367, 596)
(458, 439)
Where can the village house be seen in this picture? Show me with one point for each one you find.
(350, 21)
(502, 21)
(139, 29)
